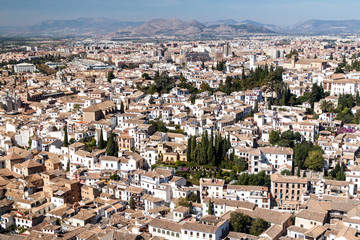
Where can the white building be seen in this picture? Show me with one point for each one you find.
(24, 67)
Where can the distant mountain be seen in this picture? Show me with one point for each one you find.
(76, 27)
(239, 28)
(82, 27)
(163, 26)
(176, 27)
(221, 22)
(271, 27)
(326, 27)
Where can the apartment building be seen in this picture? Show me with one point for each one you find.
(288, 191)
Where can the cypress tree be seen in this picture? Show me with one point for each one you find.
(193, 148)
(30, 142)
(224, 148)
(269, 104)
(228, 142)
(256, 108)
(210, 210)
(188, 150)
(243, 73)
(206, 138)
(112, 148)
(197, 154)
(122, 107)
(202, 152)
(211, 155)
(66, 141)
(204, 144)
(357, 99)
(101, 144)
(68, 166)
(151, 100)
(218, 149)
(132, 203)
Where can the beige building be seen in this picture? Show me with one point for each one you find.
(98, 111)
(288, 191)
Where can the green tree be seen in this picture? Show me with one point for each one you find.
(188, 149)
(256, 107)
(146, 76)
(114, 176)
(76, 107)
(192, 197)
(274, 137)
(258, 226)
(258, 179)
(30, 142)
(183, 202)
(301, 152)
(122, 107)
(338, 172)
(240, 222)
(205, 87)
(101, 144)
(210, 209)
(132, 203)
(151, 100)
(274, 83)
(211, 154)
(68, 166)
(357, 98)
(286, 172)
(315, 160)
(159, 126)
(317, 93)
(66, 141)
(112, 147)
(269, 104)
(110, 76)
(193, 149)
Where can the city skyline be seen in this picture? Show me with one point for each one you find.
(24, 13)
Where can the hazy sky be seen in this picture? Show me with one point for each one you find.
(281, 12)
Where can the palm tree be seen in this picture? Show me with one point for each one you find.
(324, 106)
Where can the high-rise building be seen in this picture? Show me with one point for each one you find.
(227, 50)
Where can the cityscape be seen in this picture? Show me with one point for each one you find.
(172, 128)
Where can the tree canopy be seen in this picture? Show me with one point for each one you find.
(315, 160)
(112, 147)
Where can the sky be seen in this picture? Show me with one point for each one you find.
(280, 12)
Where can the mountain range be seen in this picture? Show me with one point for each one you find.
(175, 27)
